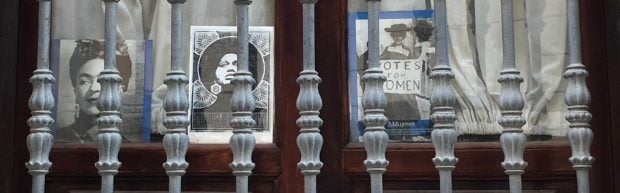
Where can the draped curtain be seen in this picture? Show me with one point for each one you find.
(150, 19)
(475, 49)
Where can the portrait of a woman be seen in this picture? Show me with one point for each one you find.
(85, 65)
(217, 67)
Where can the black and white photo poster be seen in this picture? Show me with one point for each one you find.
(213, 63)
(406, 57)
(77, 65)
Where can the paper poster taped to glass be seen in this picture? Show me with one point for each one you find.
(76, 64)
(213, 65)
(407, 51)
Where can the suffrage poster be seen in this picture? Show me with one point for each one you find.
(403, 76)
(406, 57)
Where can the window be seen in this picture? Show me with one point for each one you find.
(276, 171)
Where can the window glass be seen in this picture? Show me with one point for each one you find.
(475, 49)
(144, 30)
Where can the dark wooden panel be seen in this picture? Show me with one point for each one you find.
(331, 52)
(288, 65)
(594, 57)
(197, 183)
(559, 186)
(548, 167)
(9, 14)
(410, 167)
(612, 42)
(27, 60)
(147, 159)
(331, 65)
(477, 161)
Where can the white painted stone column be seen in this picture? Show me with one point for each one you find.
(176, 105)
(309, 104)
(109, 105)
(374, 103)
(578, 98)
(41, 102)
(511, 104)
(443, 99)
(242, 141)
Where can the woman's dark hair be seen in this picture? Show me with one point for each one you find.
(228, 45)
(86, 50)
(423, 30)
(402, 34)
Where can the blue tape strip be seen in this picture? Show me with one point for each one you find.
(55, 68)
(148, 90)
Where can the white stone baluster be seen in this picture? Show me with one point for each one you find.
(577, 98)
(242, 104)
(511, 104)
(309, 104)
(41, 102)
(109, 105)
(176, 104)
(374, 103)
(443, 99)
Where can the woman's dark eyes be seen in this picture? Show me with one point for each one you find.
(222, 64)
(83, 82)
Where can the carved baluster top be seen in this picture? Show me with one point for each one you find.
(574, 33)
(243, 34)
(508, 48)
(177, 35)
(43, 50)
(441, 23)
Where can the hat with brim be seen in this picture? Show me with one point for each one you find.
(398, 28)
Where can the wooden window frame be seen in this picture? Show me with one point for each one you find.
(343, 170)
(479, 162)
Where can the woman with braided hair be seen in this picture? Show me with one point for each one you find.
(85, 65)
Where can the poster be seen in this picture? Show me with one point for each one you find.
(213, 63)
(407, 51)
(76, 64)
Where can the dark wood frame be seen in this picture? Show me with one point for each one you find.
(276, 164)
(9, 34)
(479, 163)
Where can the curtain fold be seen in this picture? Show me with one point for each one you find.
(476, 59)
(475, 49)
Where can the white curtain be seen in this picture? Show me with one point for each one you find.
(475, 49)
(150, 20)
(476, 60)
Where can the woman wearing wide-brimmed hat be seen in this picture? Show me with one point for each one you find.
(397, 50)
(402, 109)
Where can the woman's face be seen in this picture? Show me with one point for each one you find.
(87, 88)
(226, 69)
(398, 37)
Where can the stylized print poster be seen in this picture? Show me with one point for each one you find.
(213, 64)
